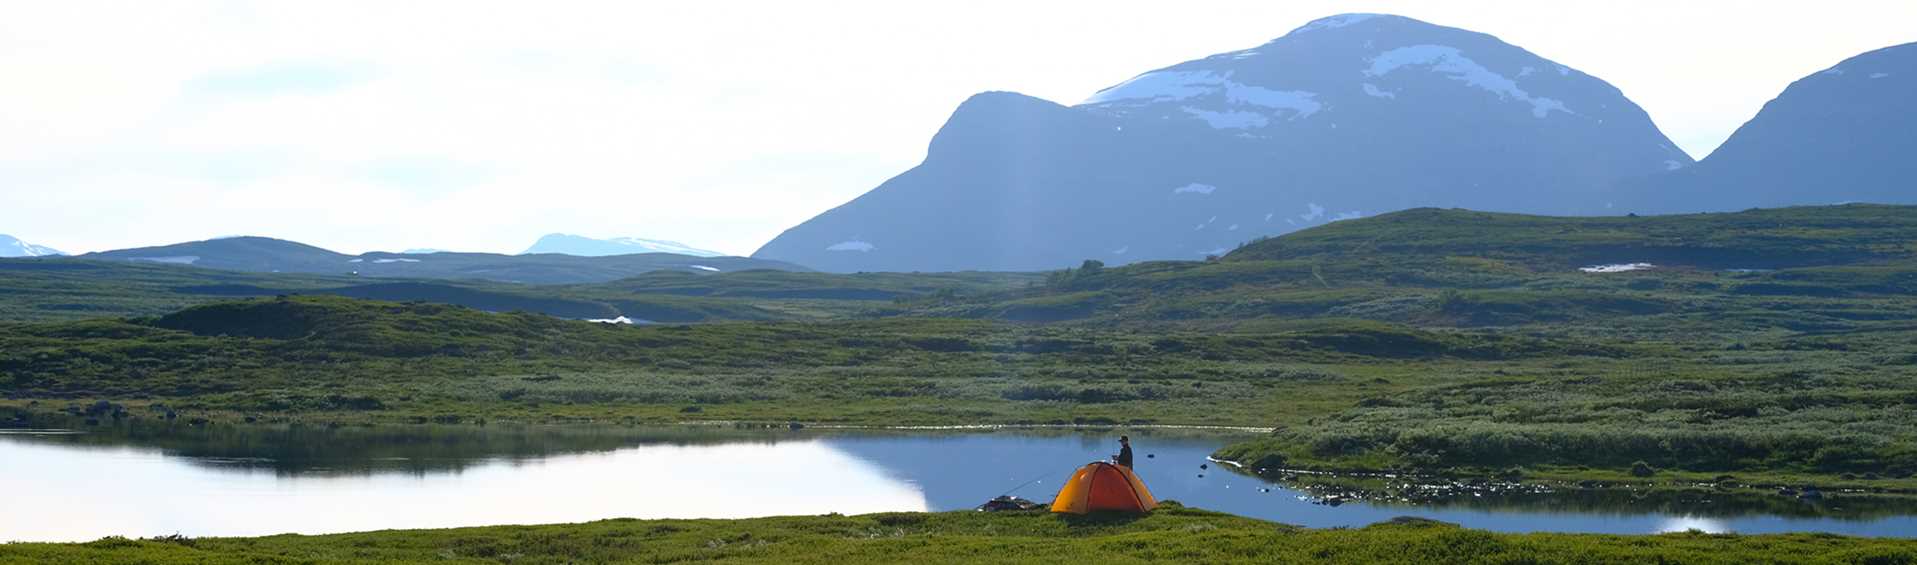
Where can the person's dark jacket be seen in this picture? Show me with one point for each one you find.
(1125, 456)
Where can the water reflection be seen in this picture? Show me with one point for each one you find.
(80, 494)
(1693, 523)
(247, 480)
(357, 450)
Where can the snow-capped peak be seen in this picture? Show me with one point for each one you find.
(1335, 22)
(13, 247)
(1317, 78)
(568, 244)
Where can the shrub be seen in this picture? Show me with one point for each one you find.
(1642, 469)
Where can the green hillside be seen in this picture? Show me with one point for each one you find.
(1755, 239)
(34, 290)
(267, 255)
(1823, 267)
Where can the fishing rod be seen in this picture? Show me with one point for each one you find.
(1041, 476)
(1029, 483)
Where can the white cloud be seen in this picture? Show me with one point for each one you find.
(481, 125)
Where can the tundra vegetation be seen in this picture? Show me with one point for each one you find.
(1172, 534)
(1772, 346)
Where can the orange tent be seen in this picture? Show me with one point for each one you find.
(1102, 486)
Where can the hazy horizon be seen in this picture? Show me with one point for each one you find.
(362, 127)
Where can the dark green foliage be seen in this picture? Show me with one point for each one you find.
(1642, 469)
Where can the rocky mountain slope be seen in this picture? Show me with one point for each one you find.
(1345, 117)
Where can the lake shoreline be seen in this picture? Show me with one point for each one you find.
(1332, 484)
(81, 414)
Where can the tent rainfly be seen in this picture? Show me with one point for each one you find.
(1102, 487)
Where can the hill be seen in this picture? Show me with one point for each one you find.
(1348, 116)
(1459, 267)
(1749, 240)
(266, 255)
(48, 289)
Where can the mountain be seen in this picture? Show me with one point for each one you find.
(1348, 116)
(260, 254)
(588, 247)
(1844, 134)
(243, 253)
(12, 247)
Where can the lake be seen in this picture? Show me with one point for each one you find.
(216, 480)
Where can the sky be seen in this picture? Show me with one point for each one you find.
(479, 126)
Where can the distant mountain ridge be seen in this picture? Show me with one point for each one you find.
(1843, 134)
(1347, 116)
(569, 244)
(267, 255)
(13, 247)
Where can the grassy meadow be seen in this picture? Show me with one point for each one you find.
(1170, 535)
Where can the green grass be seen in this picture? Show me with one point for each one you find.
(74, 289)
(1775, 238)
(1428, 341)
(324, 357)
(1171, 535)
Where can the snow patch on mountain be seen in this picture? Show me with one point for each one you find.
(173, 260)
(1617, 268)
(1450, 62)
(1229, 120)
(851, 245)
(1173, 86)
(1297, 101)
(568, 244)
(1161, 86)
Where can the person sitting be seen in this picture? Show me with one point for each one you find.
(1124, 457)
